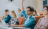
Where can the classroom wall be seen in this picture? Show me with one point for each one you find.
(14, 5)
(32, 3)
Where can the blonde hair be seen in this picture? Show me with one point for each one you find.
(14, 14)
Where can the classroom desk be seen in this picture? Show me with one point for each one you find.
(13, 28)
(2, 27)
(18, 27)
(21, 28)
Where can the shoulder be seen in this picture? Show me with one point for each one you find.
(42, 18)
(9, 15)
(23, 11)
(32, 17)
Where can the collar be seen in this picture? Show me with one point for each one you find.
(30, 16)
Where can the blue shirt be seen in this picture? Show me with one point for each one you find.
(24, 13)
(31, 21)
(7, 19)
(20, 15)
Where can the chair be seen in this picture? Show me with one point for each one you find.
(38, 17)
(21, 20)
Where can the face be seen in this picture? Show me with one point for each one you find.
(6, 13)
(28, 11)
(12, 14)
(18, 11)
(33, 13)
(45, 12)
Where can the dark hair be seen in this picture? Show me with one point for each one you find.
(6, 10)
(46, 7)
(31, 8)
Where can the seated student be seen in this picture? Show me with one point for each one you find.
(7, 17)
(20, 14)
(43, 22)
(29, 21)
(35, 13)
(14, 20)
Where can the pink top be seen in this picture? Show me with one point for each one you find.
(42, 24)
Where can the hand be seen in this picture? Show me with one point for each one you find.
(4, 16)
(11, 25)
(22, 0)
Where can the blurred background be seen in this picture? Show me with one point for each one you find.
(15, 4)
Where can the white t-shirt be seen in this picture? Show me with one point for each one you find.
(26, 20)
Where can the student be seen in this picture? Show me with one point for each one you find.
(14, 20)
(35, 13)
(7, 16)
(29, 21)
(13, 14)
(20, 14)
(43, 22)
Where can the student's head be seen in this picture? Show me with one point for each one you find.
(6, 12)
(13, 14)
(45, 10)
(19, 10)
(35, 12)
(30, 10)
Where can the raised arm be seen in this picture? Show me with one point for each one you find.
(22, 5)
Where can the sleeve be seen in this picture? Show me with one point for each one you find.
(30, 23)
(24, 13)
(7, 19)
(46, 26)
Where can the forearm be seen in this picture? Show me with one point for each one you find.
(22, 6)
(18, 25)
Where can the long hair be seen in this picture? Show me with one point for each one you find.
(14, 14)
(35, 12)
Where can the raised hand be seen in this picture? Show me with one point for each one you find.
(22, 5)
(22, 0)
